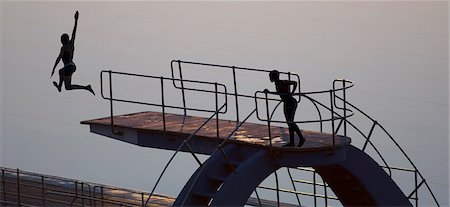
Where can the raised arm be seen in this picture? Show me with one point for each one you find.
(75, 28)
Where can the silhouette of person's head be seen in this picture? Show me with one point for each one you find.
(274, 75)
(65, 38)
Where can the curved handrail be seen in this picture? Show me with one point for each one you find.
(398, 146)
(300, 122)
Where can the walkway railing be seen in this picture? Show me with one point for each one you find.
(220, 109)
(176, 65)
(333, 108)
(417, 185)
(338, 108)
(22, 188)
(338, 102)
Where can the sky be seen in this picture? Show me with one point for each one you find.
(396, 53)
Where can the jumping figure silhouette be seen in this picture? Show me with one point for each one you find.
(66, 54)
(289, 105)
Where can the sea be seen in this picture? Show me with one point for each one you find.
(395, 53)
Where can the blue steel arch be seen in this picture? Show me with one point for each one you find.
(356, 178)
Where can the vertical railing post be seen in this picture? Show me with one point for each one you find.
(268, 121)
(82, 193)
(182, 88)
(102, 194)
(325, 192)
(236, 95)
(3, 184)
(417, 190)
(43, 189)
(314, 188)
(111, 104)
(76, 193)
(142, 199)
(162, 104)
(18, 188)
(345, 108)
(217, 109)
(111, 101)
(332, 118)
(95, 195)
(278, 189)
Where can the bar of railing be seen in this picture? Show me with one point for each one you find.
(321, 120)
(52, 185)
(233, 69)
(298, 192)
(163, 105)
(395, 143)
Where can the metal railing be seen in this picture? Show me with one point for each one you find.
(29, 189)
(347, 110)
(339, 109)
(234, 71)
(332, 108)
(412, 195)
(162, 104)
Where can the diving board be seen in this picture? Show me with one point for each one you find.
(147, 129)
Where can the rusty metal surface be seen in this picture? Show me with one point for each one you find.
(248, 133)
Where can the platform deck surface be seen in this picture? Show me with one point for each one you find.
(248, 133)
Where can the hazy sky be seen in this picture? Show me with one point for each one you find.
(395, 52)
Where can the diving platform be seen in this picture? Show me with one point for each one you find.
(147, 129)
(249, 157)
(243, 154)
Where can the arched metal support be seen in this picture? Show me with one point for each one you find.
(349, 172)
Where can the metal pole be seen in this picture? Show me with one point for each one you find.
(111, 101)
(236, 95)
(142, 198)
(314, 188)
(293, 186)
(268, 122)
(4, 184)
(18, 188)
(217, 110)
(162, 103)
(326, 194)
(76, 193)
(332, 118)
(182, 88)
(101, 191)
(82, 193)
(278, 189)
(369, 135)
(345, 109)
(95, 195)
(257, 196)
(111, 104)
(43, 189)
(417, 190)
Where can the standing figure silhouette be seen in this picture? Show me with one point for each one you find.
(289, 105)
(66, 54)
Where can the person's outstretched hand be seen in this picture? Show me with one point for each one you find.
(76, 15)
